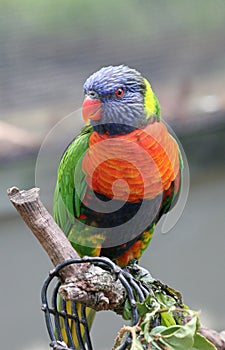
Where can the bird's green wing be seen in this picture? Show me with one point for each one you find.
(71, 184)
(69, 191)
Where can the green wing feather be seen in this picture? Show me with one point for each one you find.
(67, 200)
(70, 190)
(71, 185)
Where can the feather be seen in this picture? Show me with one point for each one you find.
(120, 174)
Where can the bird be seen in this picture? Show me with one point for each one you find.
(122, 173)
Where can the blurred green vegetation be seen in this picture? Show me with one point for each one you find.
(140, 18)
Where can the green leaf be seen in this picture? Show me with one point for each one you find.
(127, 312)
(165, 300)
(201, 343)
(149, 305)
(179, 337)
(158, 329)
(167, 319)
(136, 345)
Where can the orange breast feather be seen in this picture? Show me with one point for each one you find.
(141, 164)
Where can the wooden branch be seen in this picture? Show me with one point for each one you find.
(96, 288)
(84, 283)
(217, 338)
(41, 223)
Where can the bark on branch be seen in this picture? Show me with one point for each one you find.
(84, 283)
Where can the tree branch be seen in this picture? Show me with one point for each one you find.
(83, 283)
(41, 223)
(96, 288)
(217, 338)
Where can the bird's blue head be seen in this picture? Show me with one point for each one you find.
(118, 100)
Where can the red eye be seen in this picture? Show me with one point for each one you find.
(119, 92)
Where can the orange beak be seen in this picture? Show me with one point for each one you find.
(91, 109)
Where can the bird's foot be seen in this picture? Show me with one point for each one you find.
(137, 271)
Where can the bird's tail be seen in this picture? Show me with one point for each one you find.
(75, 323)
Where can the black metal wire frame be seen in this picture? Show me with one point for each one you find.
(57, 317)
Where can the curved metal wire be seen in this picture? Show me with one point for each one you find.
(57, 317)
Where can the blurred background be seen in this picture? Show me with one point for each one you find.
(47, 50)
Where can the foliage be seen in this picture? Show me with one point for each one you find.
(92, 17)
(165, 323)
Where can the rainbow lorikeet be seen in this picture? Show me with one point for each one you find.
(121, 173)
